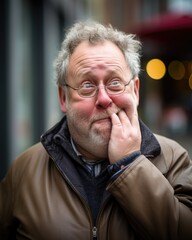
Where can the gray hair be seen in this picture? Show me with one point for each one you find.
(95, 32)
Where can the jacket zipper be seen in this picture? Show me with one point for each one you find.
(94, 230)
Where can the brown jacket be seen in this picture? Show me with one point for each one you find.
(151, 199)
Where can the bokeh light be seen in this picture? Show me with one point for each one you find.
(156, 68)
(190, 82)
(176, 70)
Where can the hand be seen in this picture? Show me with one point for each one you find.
(125, 136)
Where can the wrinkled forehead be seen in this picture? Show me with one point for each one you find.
(104, 55)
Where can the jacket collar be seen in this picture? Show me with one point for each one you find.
(150, 146)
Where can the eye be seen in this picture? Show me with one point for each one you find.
(87, 85)
(115, 82)
(115, 86)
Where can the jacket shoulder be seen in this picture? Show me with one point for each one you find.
(34, 152)
(30, 159)
(172, 154)
(170, 145)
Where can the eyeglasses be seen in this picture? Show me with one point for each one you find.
(88, 90)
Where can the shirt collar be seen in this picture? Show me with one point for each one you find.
(74, 148)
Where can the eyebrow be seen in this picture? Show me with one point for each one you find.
(109, 72)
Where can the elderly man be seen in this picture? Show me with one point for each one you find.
(99, 173)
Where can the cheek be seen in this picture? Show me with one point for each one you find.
(125, 101)
(83, 108)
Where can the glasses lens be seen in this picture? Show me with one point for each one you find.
(115, 87)
(87, 90)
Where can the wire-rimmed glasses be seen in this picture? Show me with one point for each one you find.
(88, 89)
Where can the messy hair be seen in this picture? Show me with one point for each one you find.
(95, 33)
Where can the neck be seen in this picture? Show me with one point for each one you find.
(96, 155)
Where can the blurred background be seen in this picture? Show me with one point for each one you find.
(31, 34)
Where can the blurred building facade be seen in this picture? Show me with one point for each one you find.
(31, 33)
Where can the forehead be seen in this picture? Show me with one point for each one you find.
(106, 56)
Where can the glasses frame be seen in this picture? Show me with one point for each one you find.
(97, 88)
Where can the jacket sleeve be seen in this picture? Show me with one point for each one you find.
(11, 187)
(6, 206)
(158, 204)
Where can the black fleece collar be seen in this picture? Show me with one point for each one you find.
(149, 145)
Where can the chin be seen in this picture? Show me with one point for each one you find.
(101, 137)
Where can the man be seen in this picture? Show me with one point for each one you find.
(99, 173)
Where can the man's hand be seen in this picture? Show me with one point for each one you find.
(125, 136)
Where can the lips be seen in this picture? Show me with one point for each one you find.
(105, 117)
(103, 120)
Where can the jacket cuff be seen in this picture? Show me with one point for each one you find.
(117, 168)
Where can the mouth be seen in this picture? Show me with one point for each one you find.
(103, 120)
(102, 123)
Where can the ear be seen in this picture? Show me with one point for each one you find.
(136, 90)
(62, 99)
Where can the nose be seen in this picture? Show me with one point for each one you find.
(103, 99)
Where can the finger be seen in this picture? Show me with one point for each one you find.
(111, 110)
(132, 115)
(135, 119)
(123, 116)
(115, 120)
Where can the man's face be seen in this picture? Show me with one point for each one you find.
(88, 118)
